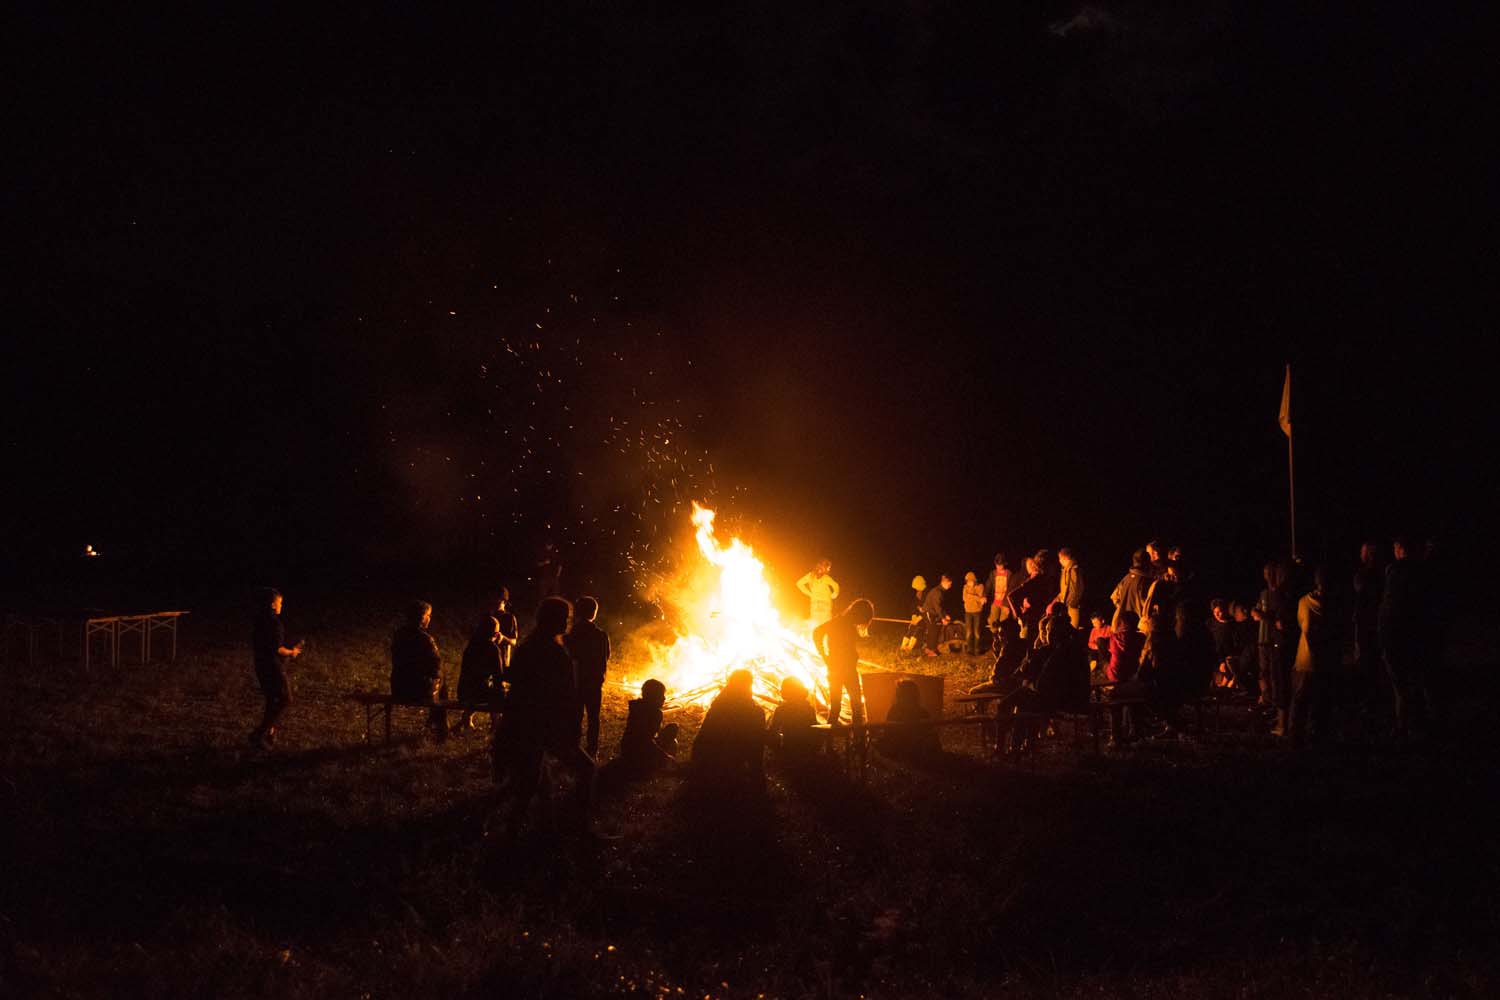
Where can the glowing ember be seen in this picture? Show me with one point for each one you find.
(733, 625)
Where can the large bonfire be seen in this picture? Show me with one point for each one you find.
(731, 624)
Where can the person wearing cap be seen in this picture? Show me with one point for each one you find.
(915, 628)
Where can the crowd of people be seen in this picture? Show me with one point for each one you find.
(1307, 646)
(1157, 646)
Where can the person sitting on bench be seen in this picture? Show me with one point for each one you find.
(479, 671)
(908, 741)
(791, 734)
(417, 667)
(1010, 653)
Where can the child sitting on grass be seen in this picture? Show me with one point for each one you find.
(646, 746)
(791, 733)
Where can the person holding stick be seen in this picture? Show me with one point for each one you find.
(837, 641)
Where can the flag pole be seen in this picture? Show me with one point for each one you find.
(1291, 466)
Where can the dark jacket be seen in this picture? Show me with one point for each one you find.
(589, 645)
(638, 747)
(479, 671)
(731, 741)
(267, 635)
(1062, 683)
(543, 704)
(416, 666)
(842, 637)
(1130, 592)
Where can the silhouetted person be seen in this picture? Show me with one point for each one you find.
(1245, 636)
(1156, 557)
(837, 641)
(589, 645)
(417, 667)
(907, 708)
(1010, 653)
(1369, 588)
(1318, 660)
(1126, 646)
(1403, 645)
(729, 750)
(510, 629)
(1070, 586)
(1164, 593)
(1130, 593)
(646, 746)
(1028, 599)
(271, 653)
(791, 733)
(1054, 678)
(541, 714)
(479, 671)
(548, 573)
(934, 616)
(1163, 669)
(1275, 665)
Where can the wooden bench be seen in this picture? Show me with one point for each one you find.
(856, 738)
(981, 701)
(378, 702)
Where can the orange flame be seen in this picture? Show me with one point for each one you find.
(734, 626)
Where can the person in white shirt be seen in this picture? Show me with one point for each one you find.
(821, 589)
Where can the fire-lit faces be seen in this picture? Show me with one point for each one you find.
(276, 604)
(823, 568)
(427, 618)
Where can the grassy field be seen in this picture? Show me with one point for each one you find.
(149, 851)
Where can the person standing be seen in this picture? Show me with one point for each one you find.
(1402, 616)
(1070, 586)
(479, 671)
(821, 591)
(589, 645)
(1369, 588)
(837, 641)
(1316, 665)
(1275, 674)
(541, 716)
(271, 653)
(995, 586)
(973, 611)
(1130, 593)
(510, 629)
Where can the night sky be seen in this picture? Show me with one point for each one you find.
(306, 297)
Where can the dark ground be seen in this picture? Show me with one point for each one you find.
(152, 853)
